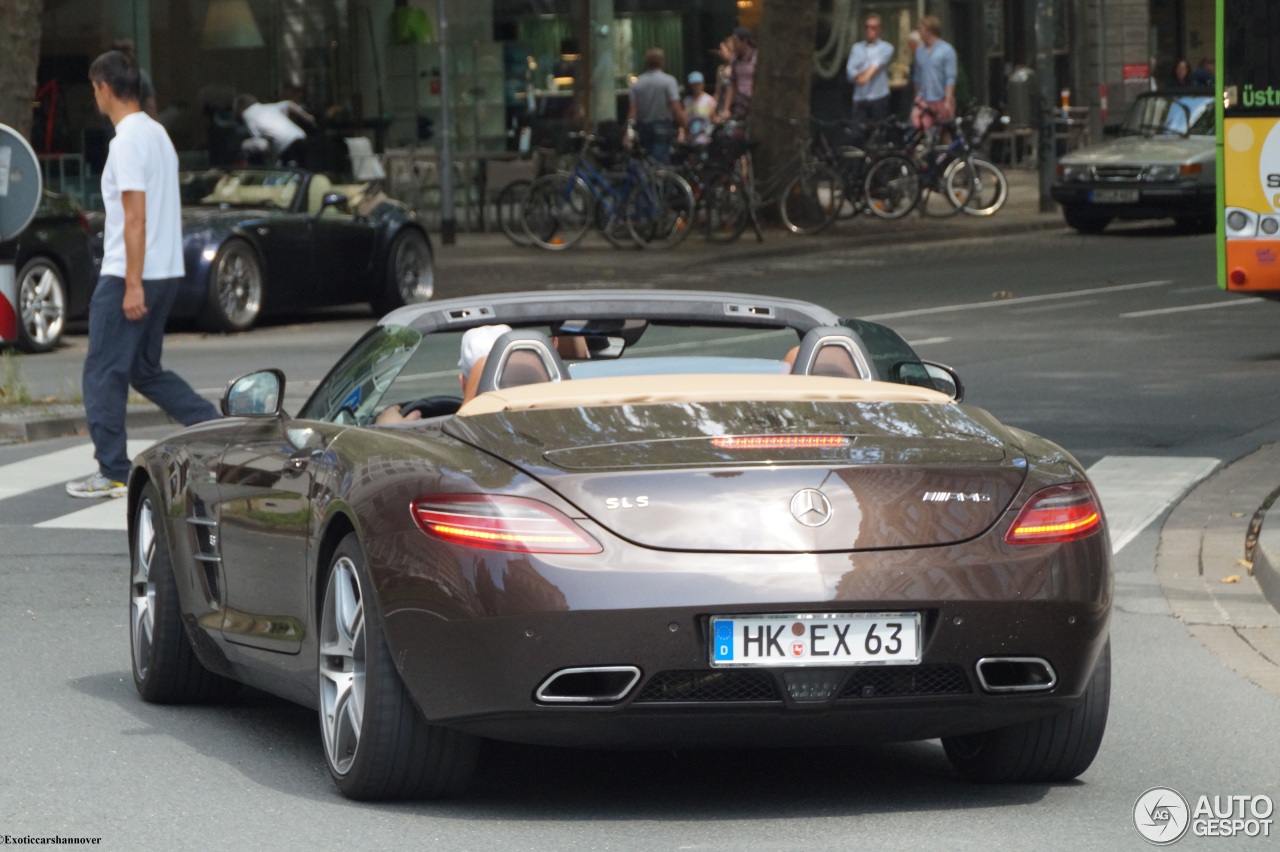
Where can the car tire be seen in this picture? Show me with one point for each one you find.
(376, 743)
(410, 273)
(236, 283)
(165, 667)
(42, 305)
(1083, 220)
(1055, 748)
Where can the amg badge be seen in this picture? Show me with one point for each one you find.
(954, 497)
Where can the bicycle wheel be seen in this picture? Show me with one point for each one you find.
(659, 211)
(610, 206)
(509, 207)
(558, 210)
(892, 187)
(810, 201)
(726, 205)
(985, 183)
(936, 198)
(853, 173)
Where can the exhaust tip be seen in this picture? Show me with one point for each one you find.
(1015, 674)
(588, 685)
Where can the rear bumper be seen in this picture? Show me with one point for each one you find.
(481, 675)
(1155, 201)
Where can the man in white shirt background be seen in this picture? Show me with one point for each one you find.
(868, 70)
(274, 123)
(142, 267)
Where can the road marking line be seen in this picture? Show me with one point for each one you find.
(106, 514)
(1135, 490)
(52, 468)
(1020, 300)
(928, 341)
(1203, 306)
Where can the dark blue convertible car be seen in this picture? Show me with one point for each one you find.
(264, 240)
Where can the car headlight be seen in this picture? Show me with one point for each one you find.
(1072, 172)
(1162, 173)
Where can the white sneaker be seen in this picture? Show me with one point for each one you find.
(97, 486)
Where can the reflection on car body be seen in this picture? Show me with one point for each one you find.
(660, 543)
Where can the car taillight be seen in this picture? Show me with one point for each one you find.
(84, 222)
(501, 523)
(1056, 514)
(779, 442)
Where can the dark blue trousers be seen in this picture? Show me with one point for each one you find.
(122, 353)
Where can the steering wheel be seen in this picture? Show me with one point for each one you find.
(432, 406)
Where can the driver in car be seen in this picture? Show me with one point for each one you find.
(476, 343)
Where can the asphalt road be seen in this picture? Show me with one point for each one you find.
(1114, 346)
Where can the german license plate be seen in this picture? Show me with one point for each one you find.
(816, 639)
(1114, 196)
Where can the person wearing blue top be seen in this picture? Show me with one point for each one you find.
(934, 76)
(868, 70)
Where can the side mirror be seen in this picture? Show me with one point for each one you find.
(333, 199)
(255, 395)
(928, 374)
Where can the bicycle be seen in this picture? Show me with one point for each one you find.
(926, 169)
(653, 206)
(806, 190)
(719, 190)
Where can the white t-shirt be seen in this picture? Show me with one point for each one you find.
(142, 159)
(271, 121)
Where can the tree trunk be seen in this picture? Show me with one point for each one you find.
(784, 74)
(20, 23)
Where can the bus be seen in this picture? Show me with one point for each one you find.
(1248, 162)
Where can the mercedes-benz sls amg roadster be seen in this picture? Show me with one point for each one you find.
(658, 519)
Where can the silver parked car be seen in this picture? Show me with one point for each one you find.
(1160, 166)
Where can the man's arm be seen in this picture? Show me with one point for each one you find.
(949, 77)
(135, 250)
(678, 113)
(854, 65)
(293, 109)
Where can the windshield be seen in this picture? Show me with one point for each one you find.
(275, 189)
(1159, 114)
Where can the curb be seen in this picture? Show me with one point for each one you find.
(1266, 553)
(41, 428)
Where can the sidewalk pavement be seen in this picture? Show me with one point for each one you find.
(1229, 604)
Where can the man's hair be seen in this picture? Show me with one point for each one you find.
(872, 17)
(243, 101)
(654, 58)
(118, 70)
(932, 24)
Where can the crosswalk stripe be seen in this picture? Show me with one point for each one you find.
(1135, 490)
(52, 468)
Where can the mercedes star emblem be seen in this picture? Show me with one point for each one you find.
(811, 507)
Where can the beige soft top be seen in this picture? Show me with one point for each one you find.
(694, 388)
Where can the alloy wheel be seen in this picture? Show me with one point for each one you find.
(42, 304)
(239, 285)
(342, 665)
(415, 275)
(143, 589)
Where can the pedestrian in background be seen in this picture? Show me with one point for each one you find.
(275, 124)
(699, 109)
(1204, 75)
(934, 76)
(655, 106)
(724, 75)
(142, 268)
(1181, 77)
(742, 75)
(868, 70)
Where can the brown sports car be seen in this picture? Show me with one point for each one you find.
(664, 519)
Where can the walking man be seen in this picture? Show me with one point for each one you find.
(934, 76)
(868, 70)
(655, 106)
(141, 270)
